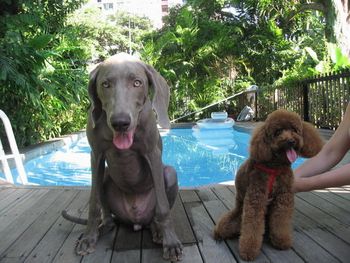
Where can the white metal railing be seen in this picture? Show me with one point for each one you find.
(15, 153)
(208, 106)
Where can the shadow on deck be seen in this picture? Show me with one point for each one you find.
(32, 229)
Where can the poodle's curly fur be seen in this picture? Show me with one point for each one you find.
(282, 131)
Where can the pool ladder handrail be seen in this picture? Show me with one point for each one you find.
(253, 91)
(15, 153)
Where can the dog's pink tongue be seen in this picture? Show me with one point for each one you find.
(123, 140)
(291, 155)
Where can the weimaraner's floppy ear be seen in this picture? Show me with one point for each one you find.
(161, 96)
(312, 141)
(96, 105)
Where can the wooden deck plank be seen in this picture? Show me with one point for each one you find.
(276, 255)
(181, 223)
(35, 232)
(309, 250)
(153, 255)
(47, 248)
(4, 193)
(22, 204)
(216, 209)
(38, 234)
(66, 252)
(126, 256)
(189, 195)
(12, 198)
(190, 255)
(147, 242)
(327, 240)
(15, 228)
(327, 205)
(225, 195)
(324, 220)
(343, 193)
(203, 225)
(335, 199)
(104, 249)
(127, 239)
(127, 247)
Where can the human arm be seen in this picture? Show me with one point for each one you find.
(315, 174)
(333, 178)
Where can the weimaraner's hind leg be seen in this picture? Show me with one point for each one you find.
(108, 222)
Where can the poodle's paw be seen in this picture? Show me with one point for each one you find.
(248, 254)
(221, 233)
(249, 249)
(281, 242)
(226, 228)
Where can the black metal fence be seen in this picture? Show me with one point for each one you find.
(321, 100)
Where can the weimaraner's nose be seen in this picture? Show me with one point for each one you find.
(120, 122)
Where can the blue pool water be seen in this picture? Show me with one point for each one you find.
(199, 157)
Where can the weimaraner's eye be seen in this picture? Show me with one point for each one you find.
(105, 84)
(137, 83)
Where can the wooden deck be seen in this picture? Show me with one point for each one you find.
(32, 230)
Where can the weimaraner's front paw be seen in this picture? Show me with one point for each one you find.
(86, 245)
(172, 247)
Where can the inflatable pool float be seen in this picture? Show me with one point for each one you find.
(218, 120)
(219, 140)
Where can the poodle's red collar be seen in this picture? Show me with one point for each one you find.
(272, 172)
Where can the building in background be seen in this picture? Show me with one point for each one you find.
(153, 9)
(166, 4)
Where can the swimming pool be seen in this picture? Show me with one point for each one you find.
(199, 157)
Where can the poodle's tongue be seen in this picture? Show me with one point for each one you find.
(291, 155)
(123, 140)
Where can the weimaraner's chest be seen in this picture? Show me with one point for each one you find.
(129, 170)
(131, 195)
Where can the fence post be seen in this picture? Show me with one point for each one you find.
(256, 105)
(306, 101)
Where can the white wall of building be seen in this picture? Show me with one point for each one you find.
(149, 8)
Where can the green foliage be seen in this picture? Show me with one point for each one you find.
(42, 72)
(188, 52)
(108, 35)
(45, 49)
(208, 50)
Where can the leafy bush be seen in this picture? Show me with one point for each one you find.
(42, 72)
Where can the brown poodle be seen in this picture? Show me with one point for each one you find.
(264, 184)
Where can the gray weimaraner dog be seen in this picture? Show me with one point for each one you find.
(135, 187)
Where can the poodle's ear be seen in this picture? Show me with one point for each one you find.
(313, 142)
(96, 105)
(260, 149)
(161, 96)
